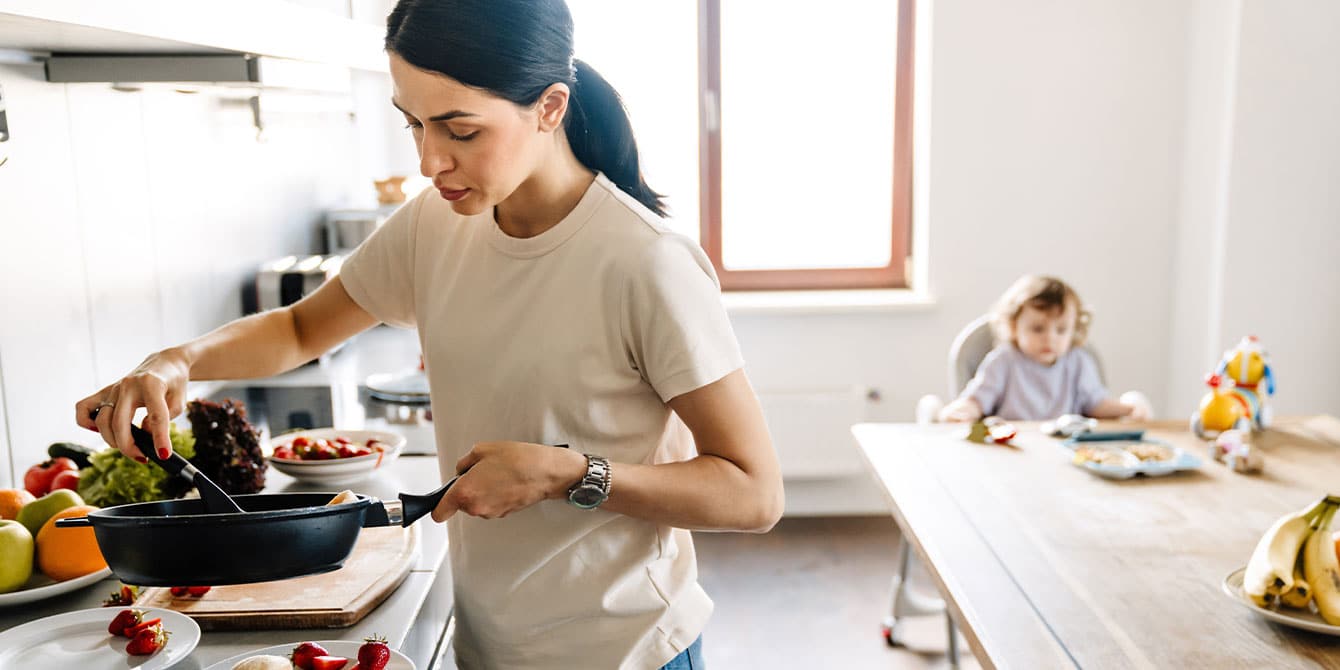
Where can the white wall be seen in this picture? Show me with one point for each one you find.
(1195, 335)
(1281, 275)
(129, 220)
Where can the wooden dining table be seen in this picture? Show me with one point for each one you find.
(1042, 564)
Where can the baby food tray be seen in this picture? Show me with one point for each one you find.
(1128, 458)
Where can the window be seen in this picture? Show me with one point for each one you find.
(806, 142)
(649, 52)
(801, 121)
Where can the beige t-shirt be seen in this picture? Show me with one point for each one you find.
(576, 336)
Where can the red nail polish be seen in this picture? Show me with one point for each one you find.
(163, 454)
(142, 459)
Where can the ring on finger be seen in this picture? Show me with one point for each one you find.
(105, 403)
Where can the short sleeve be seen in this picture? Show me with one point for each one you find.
(987, 387)
(1089, 387)
(379, 274)
(675, 327)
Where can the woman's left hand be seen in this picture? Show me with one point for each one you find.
(505, 477)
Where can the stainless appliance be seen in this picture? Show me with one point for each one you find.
(347, 228)
(286, 280)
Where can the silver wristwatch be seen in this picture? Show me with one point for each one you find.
(594, 488)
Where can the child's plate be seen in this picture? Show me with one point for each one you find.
(1126, 459)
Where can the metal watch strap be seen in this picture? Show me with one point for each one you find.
(598, 476)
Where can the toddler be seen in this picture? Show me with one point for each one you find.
(1038, 370)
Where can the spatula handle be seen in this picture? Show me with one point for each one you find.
(174, 463)
(215, 499)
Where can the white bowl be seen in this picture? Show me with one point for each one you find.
(337, 471)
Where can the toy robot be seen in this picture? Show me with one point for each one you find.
(1236, 400)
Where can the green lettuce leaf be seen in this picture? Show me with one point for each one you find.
(112, 479)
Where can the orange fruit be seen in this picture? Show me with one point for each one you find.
(11, 500)
(66, 553)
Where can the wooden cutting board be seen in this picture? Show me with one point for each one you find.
(381, 560)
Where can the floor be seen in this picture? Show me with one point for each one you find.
(811, 594)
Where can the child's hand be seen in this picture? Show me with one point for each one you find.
(1138, 405)
(963, 410)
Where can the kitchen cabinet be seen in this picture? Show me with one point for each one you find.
(272, 28)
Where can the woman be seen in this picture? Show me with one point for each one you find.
(553, 307)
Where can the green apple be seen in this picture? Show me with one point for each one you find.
(36, 513)
(16, 555)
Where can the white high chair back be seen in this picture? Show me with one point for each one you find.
(972, 344)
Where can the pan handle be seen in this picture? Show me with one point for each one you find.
(415, 507)
(411, 508)
(73, 522)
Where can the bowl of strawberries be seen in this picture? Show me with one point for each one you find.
(333, 456)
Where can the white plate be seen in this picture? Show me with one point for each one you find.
(80, 640)
(1306, 620)
(406, 387)
(41, 587)
(343, 648)
(337, 470)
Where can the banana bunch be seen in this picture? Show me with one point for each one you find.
(1295, 562)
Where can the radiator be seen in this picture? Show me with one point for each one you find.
(811, 429)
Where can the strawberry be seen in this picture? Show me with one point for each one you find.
(178, 591)
(304, 653)
(132, 631)
(124, 620)
(147, 641)
(329, 662)
(198, 591)
(374, 654)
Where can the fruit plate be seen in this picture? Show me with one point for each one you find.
(80, 640)
(337, 470)
(40, 587)
(1304, 619)
(343, 648)
(1128, 465)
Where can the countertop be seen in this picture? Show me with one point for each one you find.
(415, 618)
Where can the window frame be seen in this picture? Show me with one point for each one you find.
(892, 275)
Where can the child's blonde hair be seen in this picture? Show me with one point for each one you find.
(1048, 294)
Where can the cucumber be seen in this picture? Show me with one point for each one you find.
(75, 452)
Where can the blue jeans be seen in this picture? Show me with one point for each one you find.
(689, 659)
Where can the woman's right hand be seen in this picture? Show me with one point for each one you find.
(158, 385)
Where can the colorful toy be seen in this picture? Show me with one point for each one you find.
(1233, 449)
(1236, 400)
(992, 430)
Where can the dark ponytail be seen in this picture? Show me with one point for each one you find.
(602, 137)
(515, 49)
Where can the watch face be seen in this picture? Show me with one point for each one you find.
(586, 496)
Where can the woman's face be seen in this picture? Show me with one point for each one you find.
(1044, 335)
(476, 147)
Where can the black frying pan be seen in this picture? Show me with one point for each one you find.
(274, 536)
